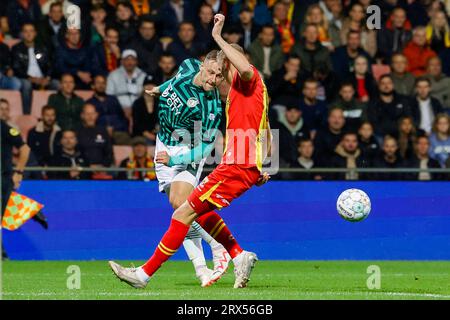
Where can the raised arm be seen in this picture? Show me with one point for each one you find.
(237, 59)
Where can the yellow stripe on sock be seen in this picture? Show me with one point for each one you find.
(218, 230)
(213, 230)
(165, 251)
(166, 248)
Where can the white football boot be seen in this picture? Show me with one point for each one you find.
(204, 275)
(221, 260)
(243, 267)
(127, 275)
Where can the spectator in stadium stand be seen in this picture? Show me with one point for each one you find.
(390, 158)
(139, 158)
(327, 139)
(265, 54)
(286, 82)
(305, 160)
(7, 79)
(283, 25)
(67, 104)
(328, 32)
(356, 22)
(110, 112)
(422, 160)
(185, 46)
(20, 12)
(403, 80)
(204, 25)
(50, 28)
(246, 26)
(387, 108)
(418, 52)
(145, 115)
(98, 24)
(106, 54)
(440, 83)
(75, 58)
(445, 58)
(31, 63)
(167, 68)
(407, 136)
(343, 57)
(292, 127)
(362, 79)
(5, 112)
(395, 34)
(232, 35)
(94, 141)
(440, 139)
(69, 157)
(43, 138)
(355, 112)
(172, 13)
(424, 107)
(147, 45)
(311, 52)
(347, 154)
(314, 111)
(47, 6)
(125, 22)
(126, 82)
(438, 31)
(367, 142)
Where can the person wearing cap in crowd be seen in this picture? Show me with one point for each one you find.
(139, 158)
(145, 113)
(126, 82)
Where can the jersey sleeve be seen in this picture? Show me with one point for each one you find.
(246, 87)
(12, 135)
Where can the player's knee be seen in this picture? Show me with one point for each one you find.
(175, 202)
(184, 213)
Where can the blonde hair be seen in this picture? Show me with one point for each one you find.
(439, 117)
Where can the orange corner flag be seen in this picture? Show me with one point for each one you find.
(19, 210)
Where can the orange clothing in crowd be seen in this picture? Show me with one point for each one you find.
(418, 58)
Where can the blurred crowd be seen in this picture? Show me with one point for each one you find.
(342, 94)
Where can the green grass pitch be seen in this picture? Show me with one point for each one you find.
(270, 280)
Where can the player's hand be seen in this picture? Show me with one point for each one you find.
(17, 180)
(263, 179)
(154, 92)
(219, 21)
(162, 157)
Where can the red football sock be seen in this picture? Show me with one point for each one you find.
(169, 244)
(214, 225)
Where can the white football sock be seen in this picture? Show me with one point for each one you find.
(142, 275)
(205, 235)
(194, 249)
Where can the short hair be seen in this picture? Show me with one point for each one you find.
(97, 7)
(268, 26)
(347, 84)
(418, 28)
(55, 4)
(304, 140)
(68, 130)
(167, 55)
(347, 133)
(46, 108)
(310, 25)
(421, 136)
(221, 55)
(385, 76)
(389, 137)
(67, 75)
(186, 23)
(146, 19)
(110, 27)
(28, 24)
(293, 56)
(310, 80)
(422, 79)
(334, 108)
(353, 32)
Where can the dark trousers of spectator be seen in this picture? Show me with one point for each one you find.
(7, 188)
